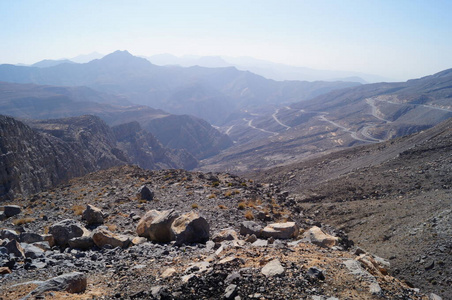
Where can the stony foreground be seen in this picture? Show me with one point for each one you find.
(259, 245)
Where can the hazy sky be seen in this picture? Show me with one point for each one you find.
(394, 38)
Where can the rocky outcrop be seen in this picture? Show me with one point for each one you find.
(145, 150)
(286, 230)
(156, 225)
(31, 161)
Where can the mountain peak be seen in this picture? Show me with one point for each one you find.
(122, 58)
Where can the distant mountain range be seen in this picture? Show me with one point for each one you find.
(209, 93)
(267, 69)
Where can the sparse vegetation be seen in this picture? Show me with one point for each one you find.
(221, 206)
(195, 206)
(23, 221)
(249, 215)
(241, 205)
(78, 209)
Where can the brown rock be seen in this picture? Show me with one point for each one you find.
(320, 238)
(102, 237)
(280, 230)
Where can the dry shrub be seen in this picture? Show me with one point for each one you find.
(195, 206)
(78, 209)
(221, 206)
(228, 193)
(211, 196)
(112, 227)
(23, 221)
(249, 215)
(241, 205)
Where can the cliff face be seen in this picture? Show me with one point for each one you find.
(32, 160)
(145, 150)
(44, 153)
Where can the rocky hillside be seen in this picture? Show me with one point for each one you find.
(29, 101)
(52, 151)
(146, 151)
(31, 160)
(365, 114)
(134, 234)
(392, 198)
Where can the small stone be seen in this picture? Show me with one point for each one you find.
(230, 291)
(168, 273)
(4, 270)
(316, 273)
(15, 248)
(30, 237)
(273, 268)
(82, 243)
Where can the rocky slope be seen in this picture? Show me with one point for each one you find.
(31, 160)
(359, 115)
(240, 260)
(55, 150)
(31, 101)
(393, 198)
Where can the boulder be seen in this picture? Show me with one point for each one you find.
(49, 238)
(93, 215)
(144, 193)
(156, 226)
(5, 270)
(273, 268)
(102, 237)
(15, 248)
(250, 227)
(33, 252)
(139, 240)
(319, 238)
(82, 242)
(2, 216)
(9, 234)
(30, 237)
(286, 230)
(145, 222)
(65, 230)
(225, 235)
(11, 210)
(190, 228)
(74, 282)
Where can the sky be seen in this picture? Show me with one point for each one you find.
(398, 39)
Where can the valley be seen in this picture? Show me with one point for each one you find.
(341, 190)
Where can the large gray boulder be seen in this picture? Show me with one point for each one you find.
(190, 228)
(11, 210)
(30, 237)
(156, 226)
(65, 230)
(93, 215)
